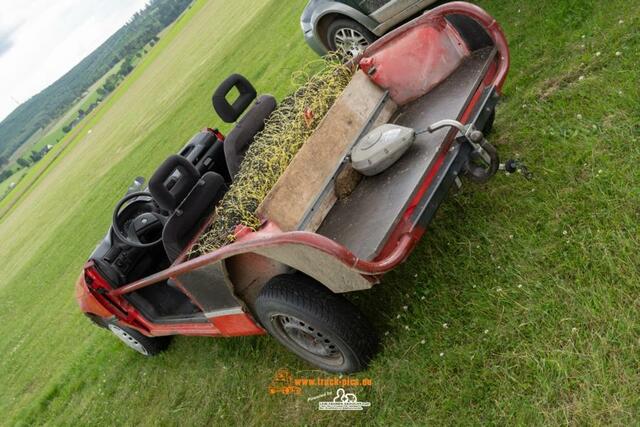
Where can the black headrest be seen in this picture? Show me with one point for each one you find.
(173, 181)
(228, 112)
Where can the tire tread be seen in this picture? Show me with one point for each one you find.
(335, 312)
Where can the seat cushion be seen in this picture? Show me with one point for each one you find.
(173, 181)
(241, 137)
(192, 213)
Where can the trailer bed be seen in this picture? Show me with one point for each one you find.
(363, 221)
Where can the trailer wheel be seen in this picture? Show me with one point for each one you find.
(147, 346)
(321, 327)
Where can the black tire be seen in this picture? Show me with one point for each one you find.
(488, 126)
(97, 320)
(347, 25)
(321, 327)
(147, 346)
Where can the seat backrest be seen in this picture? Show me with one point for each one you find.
(192, 213)
(231, 112)
(242, 135)
(173, 181)
(206, 151)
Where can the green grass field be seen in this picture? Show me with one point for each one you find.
(520, 306)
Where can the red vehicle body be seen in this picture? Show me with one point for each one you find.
(225, 308)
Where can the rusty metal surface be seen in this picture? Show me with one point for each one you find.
(317, 264)
(363, 221)
(207, 286)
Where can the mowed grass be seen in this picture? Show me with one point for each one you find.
(520, 305)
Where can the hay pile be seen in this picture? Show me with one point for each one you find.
(286, 130)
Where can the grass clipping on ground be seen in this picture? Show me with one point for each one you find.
(286, 130)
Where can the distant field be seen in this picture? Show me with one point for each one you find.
(525, 294)
(4, 185)
(54, 133)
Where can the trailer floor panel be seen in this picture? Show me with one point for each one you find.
(363, 221)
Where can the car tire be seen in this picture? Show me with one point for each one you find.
(97, 320)
(147, 346)
(321, 327)
(355, 37)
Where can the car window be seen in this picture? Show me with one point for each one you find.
(366, 6)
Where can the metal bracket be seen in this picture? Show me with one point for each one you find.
(472, 135)
(481, 149)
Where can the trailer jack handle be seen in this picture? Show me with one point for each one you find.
(483, 162)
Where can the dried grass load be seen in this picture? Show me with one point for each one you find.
(286, 130)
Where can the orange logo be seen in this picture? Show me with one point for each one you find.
(282, 383)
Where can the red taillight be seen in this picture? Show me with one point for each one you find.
(217, 133)
(94, 279)
(90, 274)
(100, 288)
(117, 306)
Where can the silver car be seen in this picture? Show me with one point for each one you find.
(350, 26)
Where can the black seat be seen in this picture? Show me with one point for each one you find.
(173, 181)
(190, 198)
(241, 137)
(206, 151)
(192, 213)
(243, 134)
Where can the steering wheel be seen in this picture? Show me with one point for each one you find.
(148, 218)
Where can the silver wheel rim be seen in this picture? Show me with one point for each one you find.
(350, 41)
(128, 339)
(317, 345)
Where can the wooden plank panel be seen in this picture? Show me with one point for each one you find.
(306, 176)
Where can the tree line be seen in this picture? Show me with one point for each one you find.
(50, 104)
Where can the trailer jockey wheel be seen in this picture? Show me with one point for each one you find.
(321, 327)
(137, 220)
(483, 162)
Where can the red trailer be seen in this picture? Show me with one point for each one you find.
(439, 75)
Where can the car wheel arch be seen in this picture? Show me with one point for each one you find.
(246, 283)
(323, 22)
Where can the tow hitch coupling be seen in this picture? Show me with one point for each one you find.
(483, 161)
